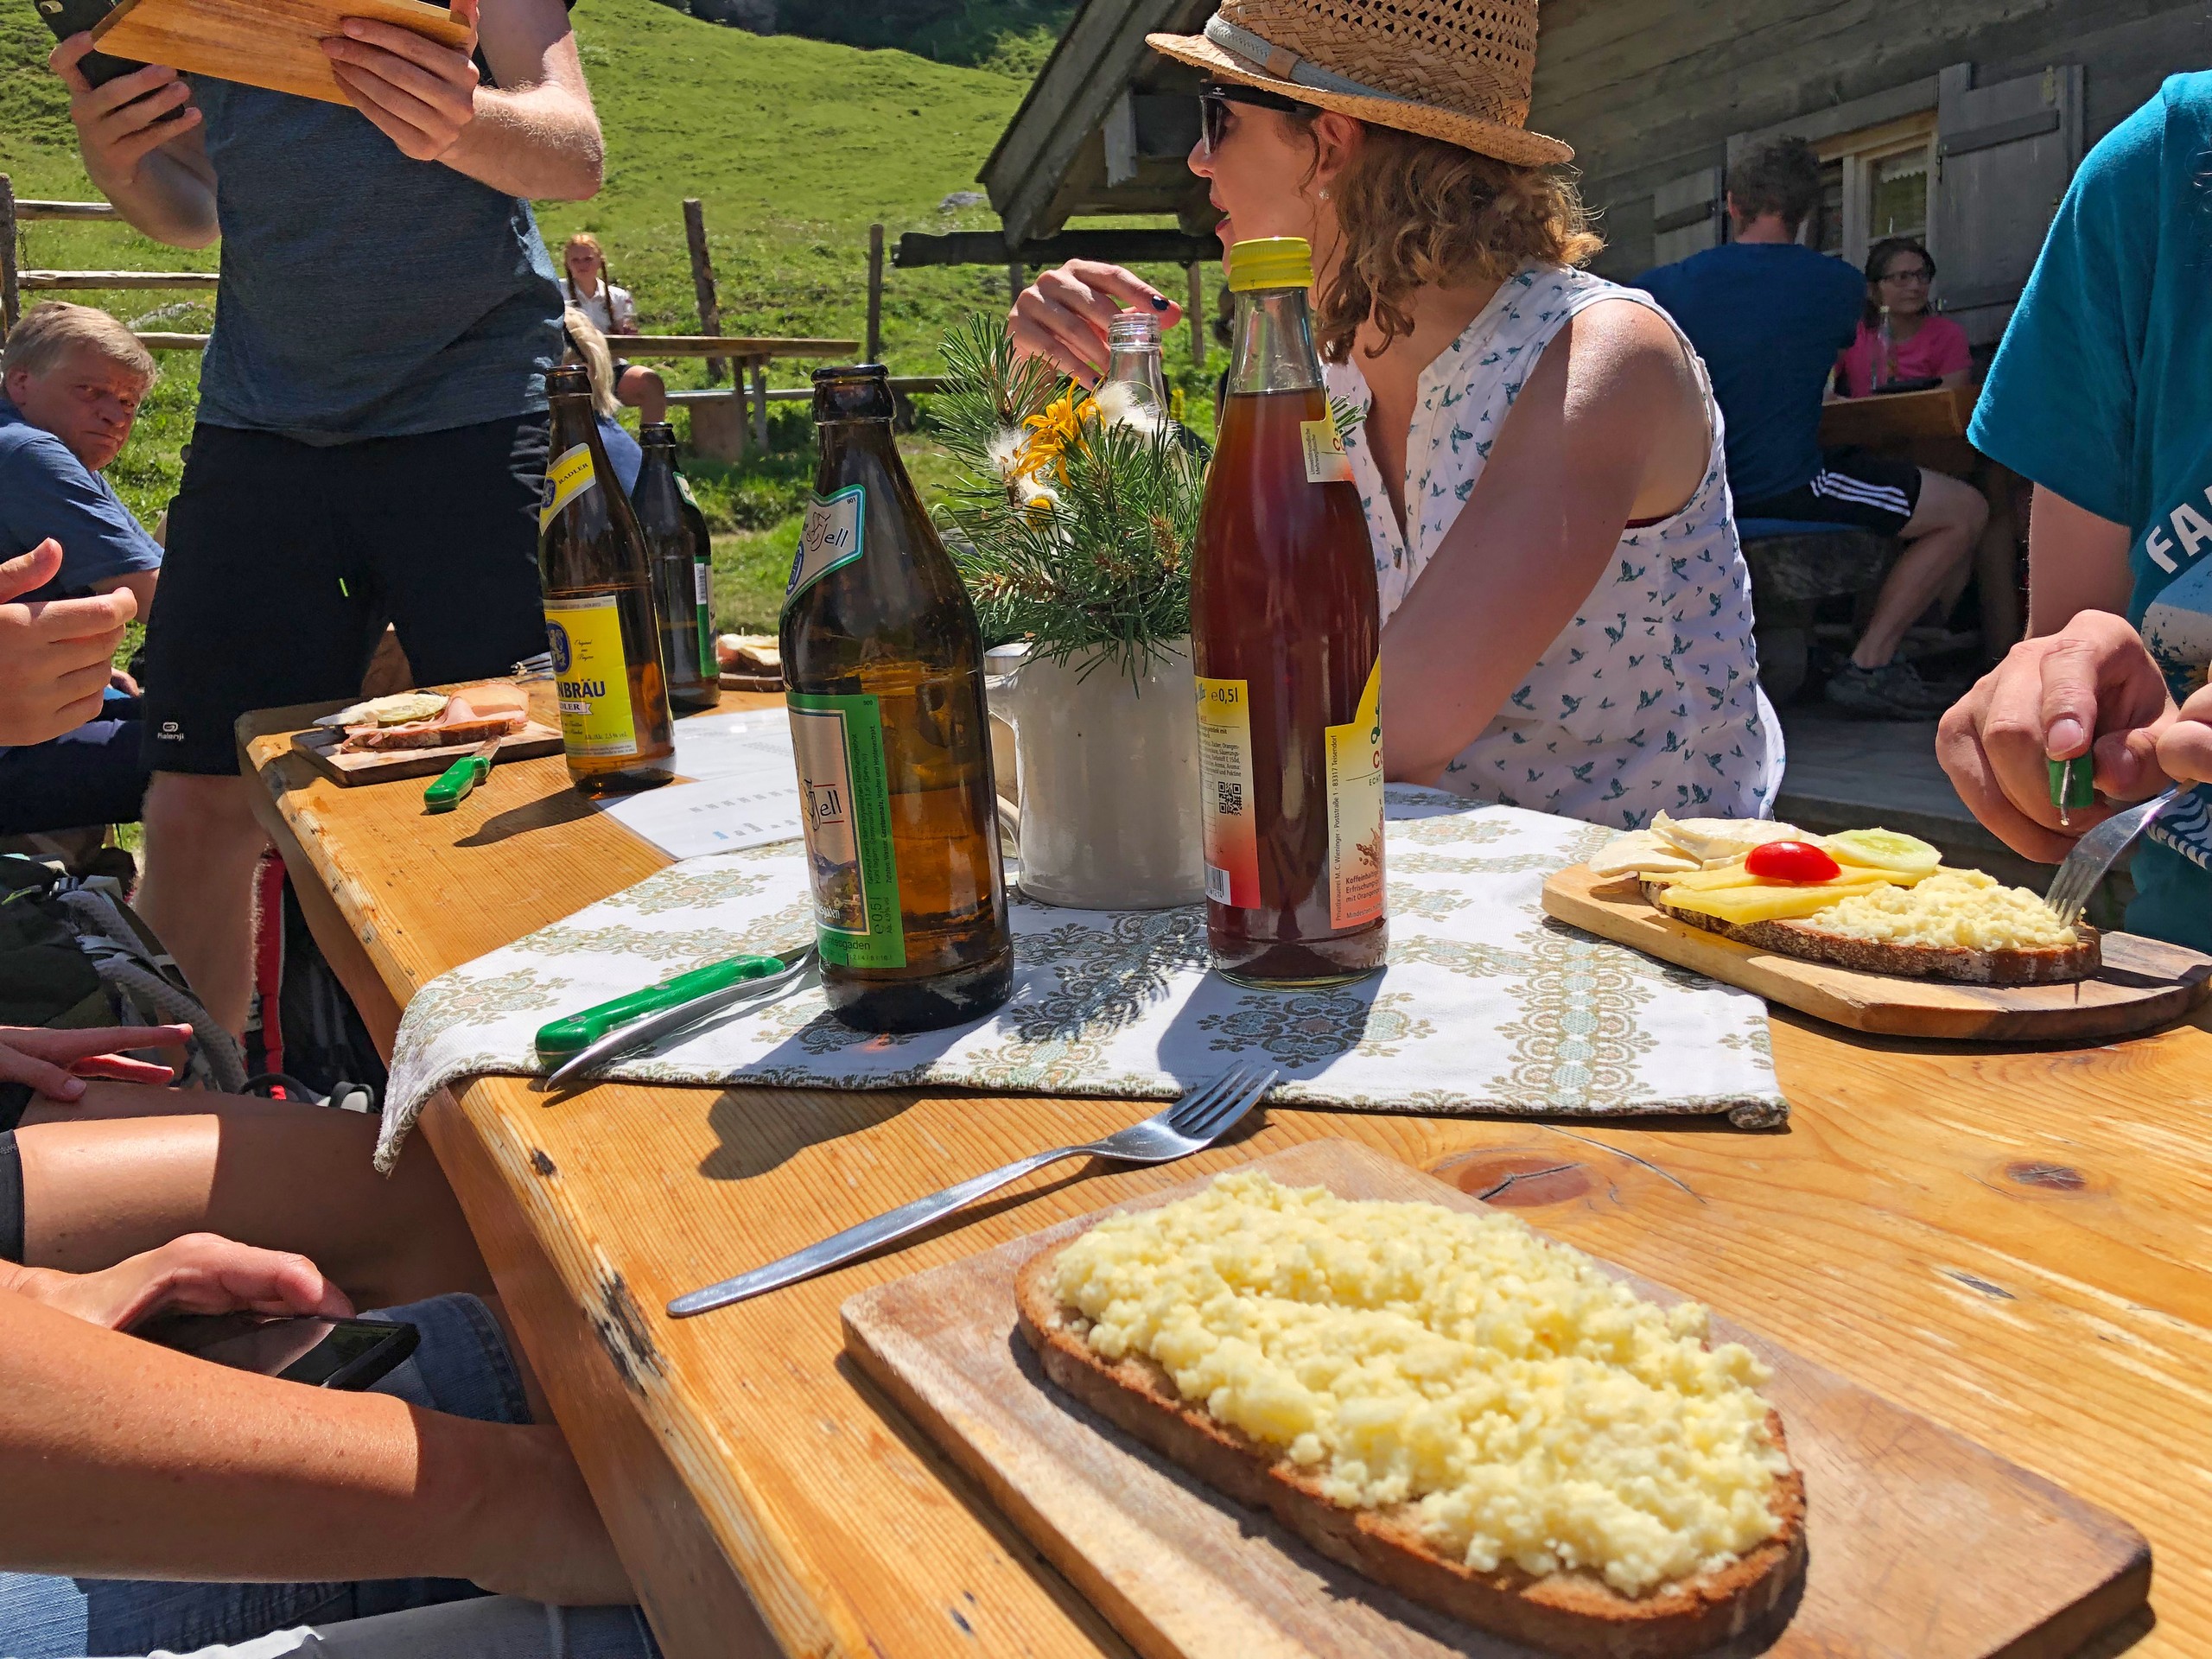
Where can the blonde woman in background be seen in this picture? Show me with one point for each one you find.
(589, 288)
(1540, 461)
(586, 348)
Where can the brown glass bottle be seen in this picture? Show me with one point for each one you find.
(599, 609)
(658, 501)
(1286, 641)
(884, 668)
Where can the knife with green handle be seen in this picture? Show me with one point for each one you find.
(573, 1032)
(454, 783)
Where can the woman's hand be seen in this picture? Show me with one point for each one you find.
(119, 124)
(1062, 316)
(2091, 689)
(200, 1273)
(55, 1063)
(419, 93)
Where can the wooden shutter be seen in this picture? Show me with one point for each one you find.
(1686, 216)
(2004, 154)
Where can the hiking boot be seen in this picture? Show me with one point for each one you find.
(1893, 691)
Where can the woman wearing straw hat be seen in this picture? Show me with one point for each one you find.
(1582, 643)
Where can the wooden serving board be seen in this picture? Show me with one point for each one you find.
(2143, 983)
(320, 744)
(270, 43)
(1923, 1544)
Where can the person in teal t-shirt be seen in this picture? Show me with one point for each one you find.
(2101, 395)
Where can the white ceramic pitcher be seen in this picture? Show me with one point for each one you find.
(1108, 775)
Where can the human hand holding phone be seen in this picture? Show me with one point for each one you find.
(124, 118)
(200, 1273)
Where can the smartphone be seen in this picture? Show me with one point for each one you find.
(67, 18)
(322, 1353)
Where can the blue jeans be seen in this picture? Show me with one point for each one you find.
(461, 1366)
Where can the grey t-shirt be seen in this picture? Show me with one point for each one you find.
(364, 295)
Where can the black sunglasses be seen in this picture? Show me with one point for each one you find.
(1215, 98)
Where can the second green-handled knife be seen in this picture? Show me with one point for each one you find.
(573, 1032)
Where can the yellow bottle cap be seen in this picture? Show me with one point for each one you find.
(1270, 262)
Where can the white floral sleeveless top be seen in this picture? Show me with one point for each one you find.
(1650, 697)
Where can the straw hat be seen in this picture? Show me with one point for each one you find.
(1458, 70)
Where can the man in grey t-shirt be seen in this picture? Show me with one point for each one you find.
(371, 442)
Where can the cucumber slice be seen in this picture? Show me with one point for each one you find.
(1882, 850)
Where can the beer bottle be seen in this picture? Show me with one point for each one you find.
(599, 609)
(669, 548)
(703, 544)
(884, 667)
(1287, 644)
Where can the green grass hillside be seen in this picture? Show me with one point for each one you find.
(794, 146)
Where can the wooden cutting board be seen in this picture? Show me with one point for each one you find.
(270, 43)
(320, 744)
(1923, 1544)
(2143, 983)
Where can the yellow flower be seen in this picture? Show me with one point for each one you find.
(1051, 433)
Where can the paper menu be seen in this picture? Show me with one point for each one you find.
(744, 791)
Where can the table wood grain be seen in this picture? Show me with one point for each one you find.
(2011, 1241)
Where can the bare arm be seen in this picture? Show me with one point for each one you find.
(140, 583)
(534, 135)
(124, 1459)
(1611, 427)
(142, 143)
(2076, 561)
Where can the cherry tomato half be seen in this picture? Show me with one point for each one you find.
(1792, 861)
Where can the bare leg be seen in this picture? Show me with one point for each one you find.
(105, 1179)
(1940, 539)
(645, 391)
(197, 896)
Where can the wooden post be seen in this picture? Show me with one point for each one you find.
(718, 426)
(874, 293)
(1014, 283)
(10, 302)
(760, 402)
(1196, 311)
(702, 280)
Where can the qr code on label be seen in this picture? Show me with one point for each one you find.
(1228, 797)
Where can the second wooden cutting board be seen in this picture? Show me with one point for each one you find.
(1923, 1545)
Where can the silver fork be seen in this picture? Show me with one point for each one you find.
(2097, 852)
(1191, 1123)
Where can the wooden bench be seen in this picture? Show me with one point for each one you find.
(1791, 573)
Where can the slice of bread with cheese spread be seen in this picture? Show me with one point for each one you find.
(1339, 1365)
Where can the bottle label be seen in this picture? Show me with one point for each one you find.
(684, 489)
(829, 539)
(845, 801)
(1325, 459)
(1232, 841)
(568, 477)
(1354, 752)
(705, 573)
(593, 678)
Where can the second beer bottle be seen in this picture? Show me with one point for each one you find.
(1286, 642)
(885, 668)
(681, 572)
(599, 617)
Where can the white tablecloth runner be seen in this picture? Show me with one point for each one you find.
(1487, 1006)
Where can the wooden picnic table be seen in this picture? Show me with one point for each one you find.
(1929, 428)
(2014, 1242)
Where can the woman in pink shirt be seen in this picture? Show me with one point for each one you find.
(1922, 345)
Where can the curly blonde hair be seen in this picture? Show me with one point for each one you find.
(1415, 211)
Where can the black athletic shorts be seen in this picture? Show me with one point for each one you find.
(286, 560)
(1853, 486)
(11, 1194)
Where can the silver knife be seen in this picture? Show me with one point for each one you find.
(673, 1022)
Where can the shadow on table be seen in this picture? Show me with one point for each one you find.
(557, 807)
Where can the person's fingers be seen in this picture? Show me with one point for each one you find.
(1032, 338)
(205, 1272)
(94, 617)
(442, 63)
(2070, 672)
(64, 1047)
(65, 58)
(105, 100)
(27, 572)
(2184, 751)
(129, 152)
(1124, 285)
(2127, 764)
(379, 76)
(48, 1080)
(414, 141)
(2010, 728)
(1078, 346)
(1961, 749)
(118, 1068)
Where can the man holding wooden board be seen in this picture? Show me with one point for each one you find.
(371, 442)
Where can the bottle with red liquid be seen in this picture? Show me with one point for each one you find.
(1286, 642)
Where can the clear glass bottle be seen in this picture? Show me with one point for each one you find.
(1133, 362)
(884, 668)
(1287, 645)
(599, 617)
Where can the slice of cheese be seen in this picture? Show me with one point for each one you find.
(1708, 839)
(1770, 903)
(1640, 852)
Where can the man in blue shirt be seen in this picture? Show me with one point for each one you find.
(70, 385)
(372, 432)
(1768, 317)
(2101, 396)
